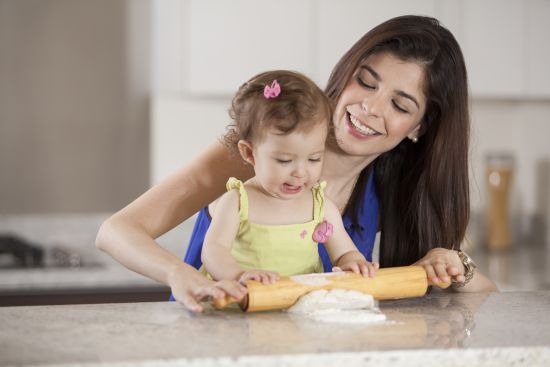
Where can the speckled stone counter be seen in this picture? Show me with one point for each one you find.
(496, 329)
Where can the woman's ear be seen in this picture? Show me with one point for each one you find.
(416, 132)
(246, 151)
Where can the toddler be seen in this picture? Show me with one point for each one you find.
(271, 224)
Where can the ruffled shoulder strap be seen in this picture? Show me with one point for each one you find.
(234, 183)
(319, 201)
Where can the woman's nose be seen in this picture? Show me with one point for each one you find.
(371, 106)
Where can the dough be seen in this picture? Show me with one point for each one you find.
(338, 305)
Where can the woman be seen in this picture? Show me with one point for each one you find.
(398, 163)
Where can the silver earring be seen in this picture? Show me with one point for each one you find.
(363, 108)
(414, 139)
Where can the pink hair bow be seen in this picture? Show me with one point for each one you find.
(273, 90)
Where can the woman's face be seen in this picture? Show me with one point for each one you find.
(382, 104)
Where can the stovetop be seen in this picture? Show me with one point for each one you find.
(16, 253)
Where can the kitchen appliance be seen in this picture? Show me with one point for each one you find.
(16, 252)
(389, 283)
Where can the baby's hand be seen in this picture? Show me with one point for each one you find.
(263, 276)
(365, 268)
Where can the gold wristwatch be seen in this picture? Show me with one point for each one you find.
(469, 267)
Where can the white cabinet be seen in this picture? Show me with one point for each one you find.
(505, 44)
(230, 41)
(538, 48)
(210, 47)
(342, 23)
(493, 38)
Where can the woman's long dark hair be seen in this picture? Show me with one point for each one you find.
(422, 188)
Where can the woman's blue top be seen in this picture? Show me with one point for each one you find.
(363, 236)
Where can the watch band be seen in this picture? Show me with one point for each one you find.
(469, 267)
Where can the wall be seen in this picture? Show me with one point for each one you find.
(74, 82)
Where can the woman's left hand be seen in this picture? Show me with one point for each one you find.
(442, 265)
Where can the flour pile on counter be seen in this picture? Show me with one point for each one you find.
(338, 305)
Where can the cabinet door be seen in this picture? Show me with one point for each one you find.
(342, 23)
(538, 48)
(492, 37)
(230, 41)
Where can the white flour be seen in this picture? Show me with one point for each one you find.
(338, 305)
(315, 279)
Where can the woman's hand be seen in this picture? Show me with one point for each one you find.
(442, 265)
(363, 267)
(189, 287)
(263, 276)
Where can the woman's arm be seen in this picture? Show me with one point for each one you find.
(216, 252)
(128, 235)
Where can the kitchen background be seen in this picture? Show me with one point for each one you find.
(101, 99)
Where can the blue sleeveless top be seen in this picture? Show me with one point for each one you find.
(363, 236)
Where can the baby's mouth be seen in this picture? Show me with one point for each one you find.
(291, 189)
(359, 126)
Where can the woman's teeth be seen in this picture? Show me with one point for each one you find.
(359, 126)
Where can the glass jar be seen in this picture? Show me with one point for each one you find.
(499, 175)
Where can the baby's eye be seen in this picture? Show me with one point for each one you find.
(315, 160)
(283, 161)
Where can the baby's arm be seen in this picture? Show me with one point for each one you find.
(341, 249)
(216, 252)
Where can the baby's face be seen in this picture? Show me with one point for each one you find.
(289, 165)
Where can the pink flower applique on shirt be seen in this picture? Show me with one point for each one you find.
(322, 232)
(303, 234)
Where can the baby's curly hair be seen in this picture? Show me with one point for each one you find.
(300, 106)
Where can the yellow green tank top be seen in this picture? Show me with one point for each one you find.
(287, 249)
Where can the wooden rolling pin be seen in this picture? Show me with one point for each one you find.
(389, 283)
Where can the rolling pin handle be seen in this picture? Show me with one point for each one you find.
(442, 285)
(223, 302)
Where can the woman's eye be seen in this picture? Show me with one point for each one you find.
(399, 108)
(364, 83)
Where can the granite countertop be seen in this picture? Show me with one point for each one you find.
(451, 329)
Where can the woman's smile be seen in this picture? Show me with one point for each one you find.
(359, 128)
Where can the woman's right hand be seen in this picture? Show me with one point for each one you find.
(189, 287)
